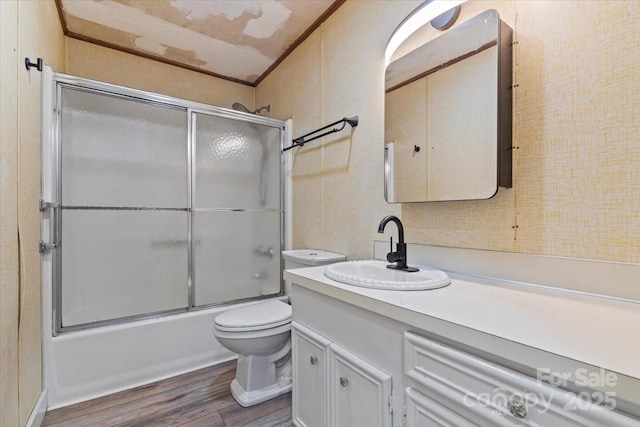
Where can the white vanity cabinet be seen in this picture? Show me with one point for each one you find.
(443, 374)
(333, 387)
(467, 387)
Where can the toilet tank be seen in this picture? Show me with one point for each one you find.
(301, 258)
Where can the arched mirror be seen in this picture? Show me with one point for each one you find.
(448, 111)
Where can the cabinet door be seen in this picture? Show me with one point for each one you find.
(359, 393)
(310, 371)
(424, 412)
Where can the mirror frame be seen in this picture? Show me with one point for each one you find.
(503, 41)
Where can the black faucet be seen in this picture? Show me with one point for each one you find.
(400, 255)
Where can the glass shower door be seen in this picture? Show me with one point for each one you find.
(237, 217)
(124, 207)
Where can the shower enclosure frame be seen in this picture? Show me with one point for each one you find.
(52, 186)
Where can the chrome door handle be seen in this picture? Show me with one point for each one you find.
(44, 246)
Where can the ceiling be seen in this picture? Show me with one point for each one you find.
(238, 40)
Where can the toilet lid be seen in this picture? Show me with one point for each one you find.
(255, 317)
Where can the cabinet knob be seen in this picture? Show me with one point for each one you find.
(517, 407)
(313, 360)
(344, 381)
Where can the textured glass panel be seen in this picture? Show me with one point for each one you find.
(237, 164)
(122, 152)
(122, 263)
(237, 255)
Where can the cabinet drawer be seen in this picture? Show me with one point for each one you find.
(310, 370)
(424, 412)
(492, 395)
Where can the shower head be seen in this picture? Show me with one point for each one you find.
(265, 107)
(239, 107)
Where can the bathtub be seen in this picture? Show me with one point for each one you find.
(86, 364)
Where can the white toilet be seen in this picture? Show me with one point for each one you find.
(261, 335)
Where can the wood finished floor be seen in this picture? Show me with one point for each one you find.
(197, 399)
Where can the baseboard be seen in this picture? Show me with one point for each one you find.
(39, 411)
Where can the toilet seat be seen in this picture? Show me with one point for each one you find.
(246, 335)
(251, 328)
(257, 317)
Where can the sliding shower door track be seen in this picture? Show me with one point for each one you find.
(122, 208)
(122, 320)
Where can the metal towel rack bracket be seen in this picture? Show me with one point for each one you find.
(301, 140)
(38, 64)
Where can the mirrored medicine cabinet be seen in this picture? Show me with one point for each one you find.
(448, 115)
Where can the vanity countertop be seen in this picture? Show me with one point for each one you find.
(601, 332)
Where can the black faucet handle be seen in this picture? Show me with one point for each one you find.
(394, 256)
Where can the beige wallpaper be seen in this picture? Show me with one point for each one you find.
(577, 126)
(29, 29)
(294, 91)
(577, 151)
(112, 66)
(338, 72)
(39, 35)
(576, 134)
(9, 270)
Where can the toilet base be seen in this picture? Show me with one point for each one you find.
(253, 397)
(260, 378)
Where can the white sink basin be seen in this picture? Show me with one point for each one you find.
(375, 274)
